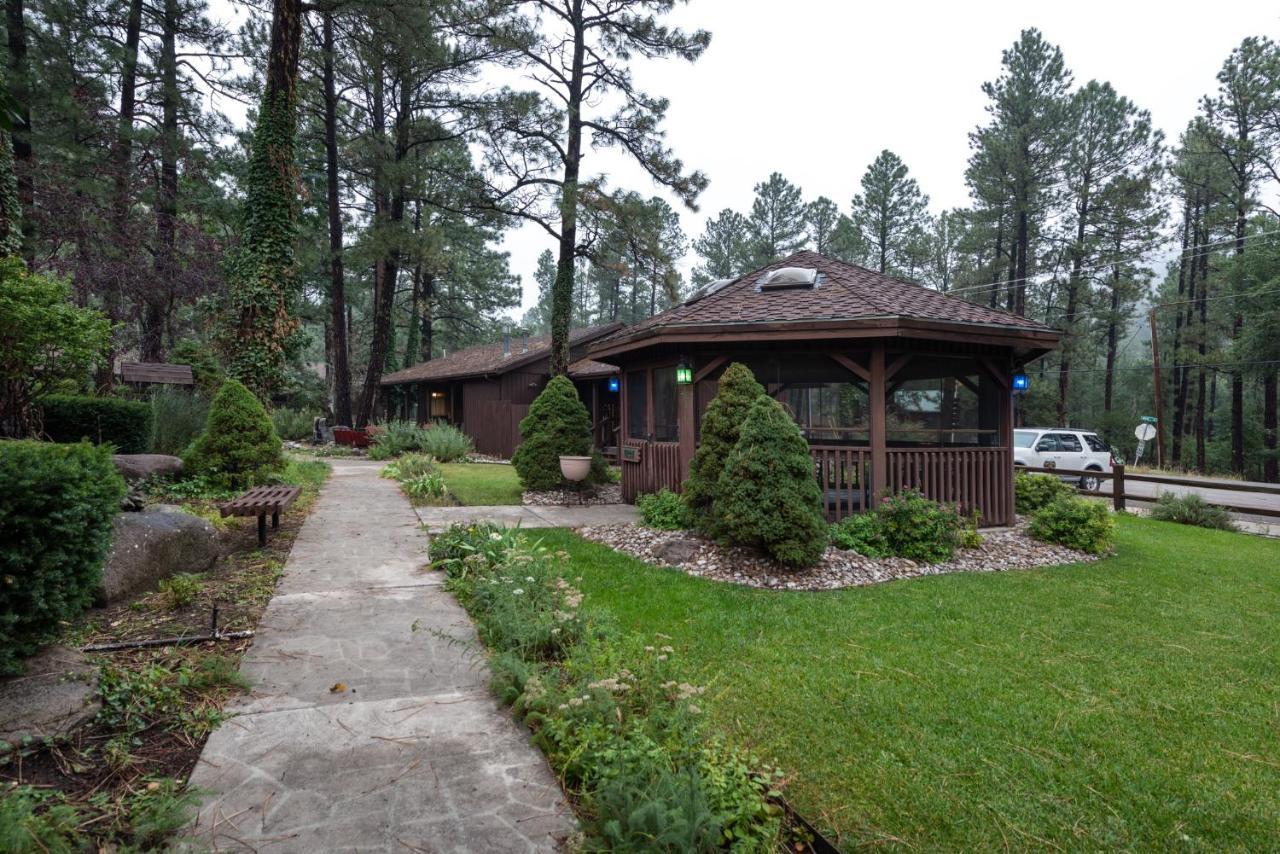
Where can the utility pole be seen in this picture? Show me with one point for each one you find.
(1155, 366)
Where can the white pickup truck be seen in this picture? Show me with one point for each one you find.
(1063, 448)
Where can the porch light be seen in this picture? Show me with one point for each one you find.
(684, 373)
(1021, 382)
(614, 384)
(437, 394)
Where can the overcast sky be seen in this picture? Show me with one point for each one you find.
(815, 89)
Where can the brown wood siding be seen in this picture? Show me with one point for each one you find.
(659, 468)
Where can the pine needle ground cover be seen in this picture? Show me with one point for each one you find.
(1129, 703)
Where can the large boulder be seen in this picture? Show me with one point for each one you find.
(152, 545)
(56, 693)
(138, 466)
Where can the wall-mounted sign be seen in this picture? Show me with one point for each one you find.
(630, 453)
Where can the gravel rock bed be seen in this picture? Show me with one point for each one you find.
(610, 493)
(1004, 549)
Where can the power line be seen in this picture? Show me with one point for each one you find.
(1147, 368)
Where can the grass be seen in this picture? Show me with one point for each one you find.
(1130, 703)
(482, 484)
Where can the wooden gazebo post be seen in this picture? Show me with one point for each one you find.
(879, 454)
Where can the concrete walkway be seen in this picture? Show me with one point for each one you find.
(528, 516)
(369, 726)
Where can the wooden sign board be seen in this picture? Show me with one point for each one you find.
(630, 453)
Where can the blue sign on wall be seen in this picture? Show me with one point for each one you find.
(1021, 382)
(613, 383)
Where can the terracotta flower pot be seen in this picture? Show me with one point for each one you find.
(575, 469)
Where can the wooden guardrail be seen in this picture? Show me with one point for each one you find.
(1119, 477)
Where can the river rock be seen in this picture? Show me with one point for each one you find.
(139, 466)
(677, 551)
(56, 693)
(152, 545)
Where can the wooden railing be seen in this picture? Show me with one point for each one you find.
(844, 476)
(971, 478)
(1119, 477)
(658, 467)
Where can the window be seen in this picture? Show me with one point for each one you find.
(830, 412)
(665, 405)
(949, 409)
(1024, 438)
(637, 405)
(1049, 444)
(1069, 442)
(1095, 444)
(439, 405)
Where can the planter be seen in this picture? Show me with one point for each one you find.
(351, 438)
(575, 469)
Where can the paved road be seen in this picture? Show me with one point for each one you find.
(1151, 491)
(370, 727)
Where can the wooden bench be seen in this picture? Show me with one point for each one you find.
(260, 501)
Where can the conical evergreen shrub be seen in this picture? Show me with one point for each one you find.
(720, 426)
(768, 496)
(239, 445)
(557, 424)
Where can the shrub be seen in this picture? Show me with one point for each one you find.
(180, 590)
(238, 446)
(1191, 509)
(410, 466)
(48, 341)
(1076, 523)
(446, 443)
(205, 370)
(292, 424)
(720, 425)
(919, 529)
(424, 487)
(557, 425)
(55, 522)
(768, 496)
(126, 424)
(178, 417)
(1033, 491)
(665, 510)
(862, 533)
(396, 438)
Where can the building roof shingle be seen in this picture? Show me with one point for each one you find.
(843, 292)
(489, 359)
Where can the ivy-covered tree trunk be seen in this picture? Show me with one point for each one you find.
(16, 26)
(262, 276)
(156, 309)
(10, 210)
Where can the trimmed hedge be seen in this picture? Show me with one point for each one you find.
(768, 496)
(239, 446)
(1034, 491)
(55, 522)
(1076, 523)
(126, 424)
(557, 425)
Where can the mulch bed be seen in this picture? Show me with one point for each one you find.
(610, 493)
(240, 585)
(1001, 550)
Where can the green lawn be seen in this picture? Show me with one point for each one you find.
(482, 483)
(1131, 703)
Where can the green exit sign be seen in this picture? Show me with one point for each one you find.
(1150, 419)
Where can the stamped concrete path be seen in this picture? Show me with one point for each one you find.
(369, 726)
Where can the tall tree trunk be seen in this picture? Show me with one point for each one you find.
(1113, 324)
(392, 203)
(1073, 304)
(1020, 274)
(155, 314)
(23, 158)
(994, 299)
(1186, 304)
(1270, 464)
(562, 289)
(337, 278)
(1237, 375)
(1200, 419)
(426, 337)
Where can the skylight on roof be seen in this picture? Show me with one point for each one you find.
(707, 290)
(789, 278)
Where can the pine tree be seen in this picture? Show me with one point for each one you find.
(889, 212)
(724, 248)
(721, 424)
(821, 217)
(777, 222)
(557, 425)
(767, 495)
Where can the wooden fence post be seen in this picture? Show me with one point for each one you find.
(1117, 487)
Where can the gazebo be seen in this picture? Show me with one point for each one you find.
(894, 385)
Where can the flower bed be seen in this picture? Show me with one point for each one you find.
(702, 557)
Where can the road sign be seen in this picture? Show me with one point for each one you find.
(1144, 432)
(1149, 419)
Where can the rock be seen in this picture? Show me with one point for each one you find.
(677, 550)
(152, 545)
(57, 693)
(138, 466)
